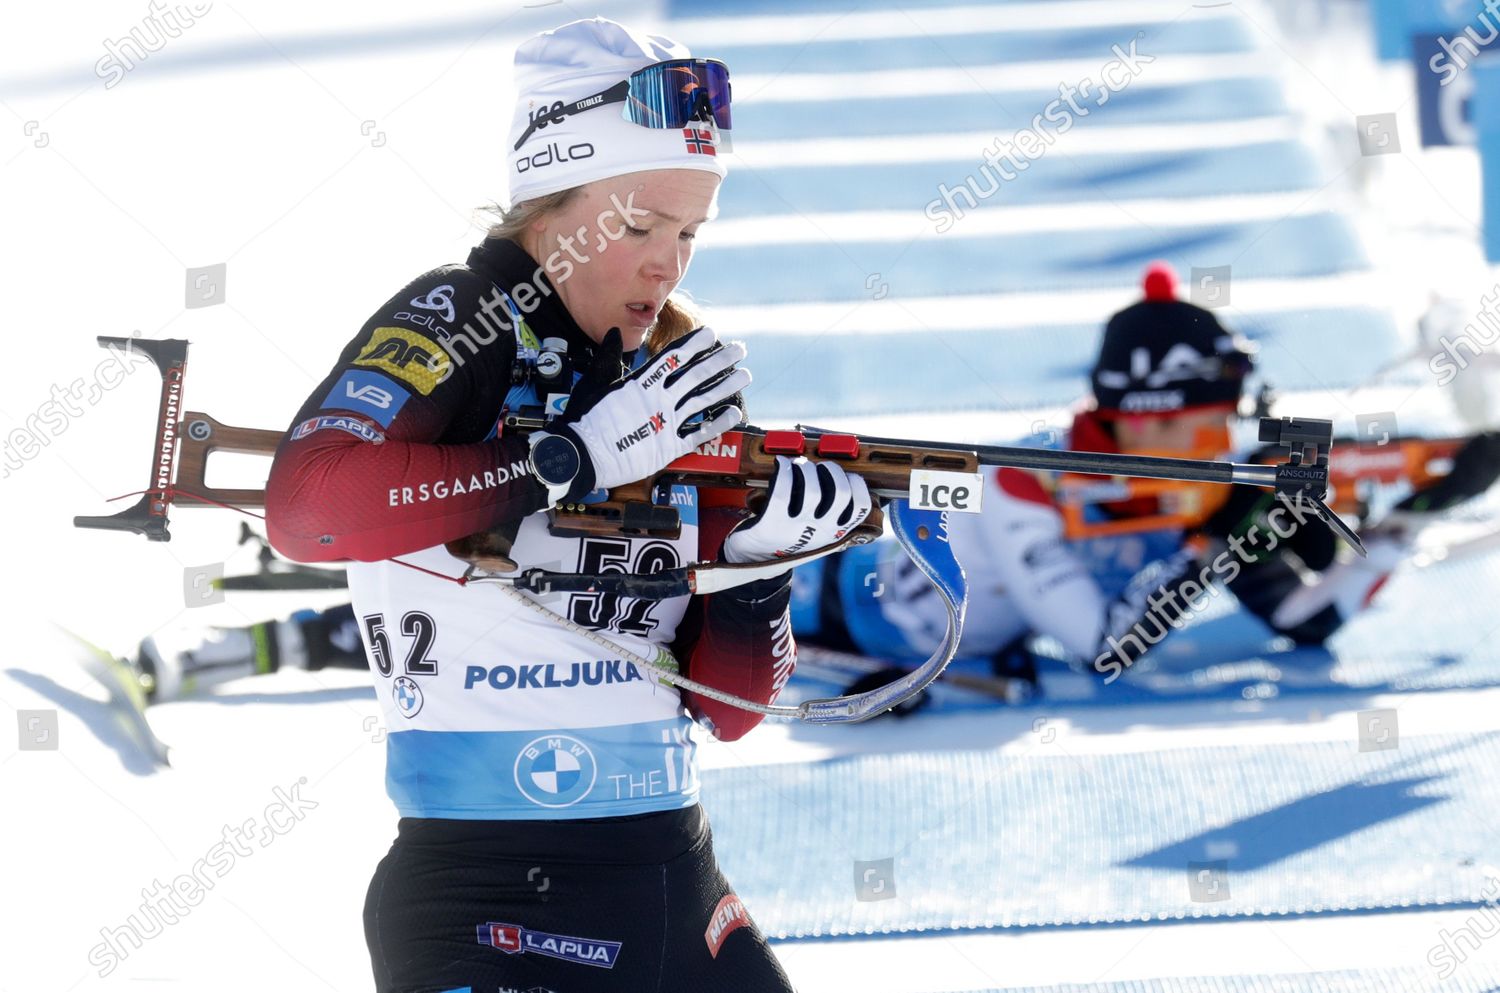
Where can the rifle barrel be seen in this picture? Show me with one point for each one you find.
(1091, 463)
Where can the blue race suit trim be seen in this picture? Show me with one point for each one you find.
(543, 774)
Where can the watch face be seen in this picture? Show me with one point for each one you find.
(555, 459)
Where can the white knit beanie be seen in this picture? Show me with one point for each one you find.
(575, 61)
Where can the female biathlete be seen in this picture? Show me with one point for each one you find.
(550, 833)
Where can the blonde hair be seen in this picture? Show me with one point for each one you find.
(677, 318)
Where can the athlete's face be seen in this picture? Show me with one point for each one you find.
(620, 247)
(1171, 432)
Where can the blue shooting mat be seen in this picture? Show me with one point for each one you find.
(964, 839)
(1471, 978)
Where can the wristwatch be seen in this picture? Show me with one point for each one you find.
(555, 462)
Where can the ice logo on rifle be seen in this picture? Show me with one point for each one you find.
(555, 770)
(512, 939)
(408, 696)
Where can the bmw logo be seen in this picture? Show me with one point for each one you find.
(408, 696)
(555, 771)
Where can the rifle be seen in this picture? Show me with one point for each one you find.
(920, 482)
(1356, 471)
(1360, 467)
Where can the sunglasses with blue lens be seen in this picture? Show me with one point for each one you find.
(669, 94)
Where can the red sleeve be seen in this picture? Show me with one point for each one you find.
(387, 456)
(335, 497)
(740, 640)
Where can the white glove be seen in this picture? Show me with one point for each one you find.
(629, 429)
(1348, 585)
(810, 505)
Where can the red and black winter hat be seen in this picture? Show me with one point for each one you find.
(1163, 355)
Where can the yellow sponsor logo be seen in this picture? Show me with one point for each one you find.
(407, 355)
(528, 337)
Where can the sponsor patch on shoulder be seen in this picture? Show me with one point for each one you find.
(353, 425)
(371, 392)
(408, 355)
